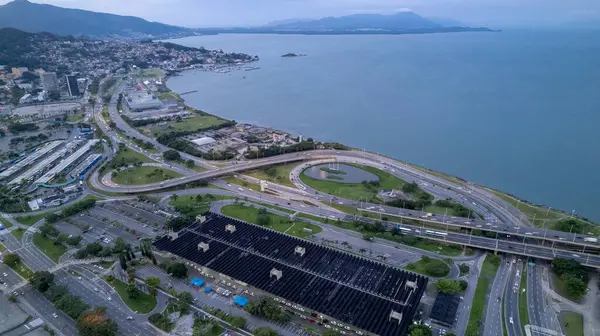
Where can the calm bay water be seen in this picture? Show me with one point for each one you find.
(517, 111)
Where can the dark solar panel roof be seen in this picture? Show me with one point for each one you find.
(346, 287)
(444, 309)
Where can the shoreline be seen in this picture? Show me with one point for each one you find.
(449, 177)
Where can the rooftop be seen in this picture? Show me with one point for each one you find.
(349, 288)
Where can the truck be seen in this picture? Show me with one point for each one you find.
(590, 239)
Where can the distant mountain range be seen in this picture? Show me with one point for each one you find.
(398, 23)
(33, 18)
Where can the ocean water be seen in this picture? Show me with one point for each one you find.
(518, 110)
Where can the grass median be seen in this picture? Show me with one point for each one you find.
(142, 304)
(488, 272)
(5, 223)
(18, 233)
(523, 313)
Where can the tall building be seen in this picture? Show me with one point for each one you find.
(49, 81)
(72, 86)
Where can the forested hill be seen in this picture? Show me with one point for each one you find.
(15, 44)
(34, 18)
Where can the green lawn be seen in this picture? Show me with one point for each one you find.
(354, 190)
(5, 222)
(437, 247)
(30, 220)
(189, 205)
(192, 124)
(144, 175)
(277, 222)
(2, 248)
(274, 207)
(421, 266)
(18, 233)
(523, 313)
(152, 72)
(76, 117)
(282, 174)
(575, 322)
(47, 246)
(143, 304)
(132, 156)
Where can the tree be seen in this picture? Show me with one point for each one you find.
(11, 259)
(120, 245)
(42, 280)
(153, 283)
(172, 155)
(267, 308)
(12, 299)
(263, 219)
(449, 286)
(419, 330)
(95, 323)
(52, 218)
(198, 198)
(174, 197)
(264, 331)
(132, 291)
(178, 270)
(574, 286)
(48, 230)
(74, 241)
(464, 268)
(185, 297)
(190, 163)
(237, 322)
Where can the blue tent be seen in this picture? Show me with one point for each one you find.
(199, 283)
(207, 289)
(240, 301)
(193, 281)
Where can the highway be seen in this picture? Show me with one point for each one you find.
(493, 317)
(511, 303)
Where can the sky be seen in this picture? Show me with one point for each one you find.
(219, 13)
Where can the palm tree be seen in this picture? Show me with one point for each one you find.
(362, 250)
(174, 197)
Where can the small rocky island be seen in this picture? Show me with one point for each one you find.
(293, 55)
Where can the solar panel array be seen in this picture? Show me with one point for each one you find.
(346, 287)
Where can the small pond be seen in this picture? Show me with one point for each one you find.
(340, 173)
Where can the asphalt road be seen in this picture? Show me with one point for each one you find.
(493, 318)
(511, 304)
(539, 314)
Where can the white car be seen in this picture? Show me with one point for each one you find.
(5, 274)
(54, 315)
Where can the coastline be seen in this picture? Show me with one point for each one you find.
(449, 177)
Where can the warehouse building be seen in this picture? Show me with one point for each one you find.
(356, 295)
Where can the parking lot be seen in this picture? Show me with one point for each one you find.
(108, 221)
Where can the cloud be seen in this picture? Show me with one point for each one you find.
(199, 13)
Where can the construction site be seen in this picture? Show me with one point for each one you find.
(321, 285)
